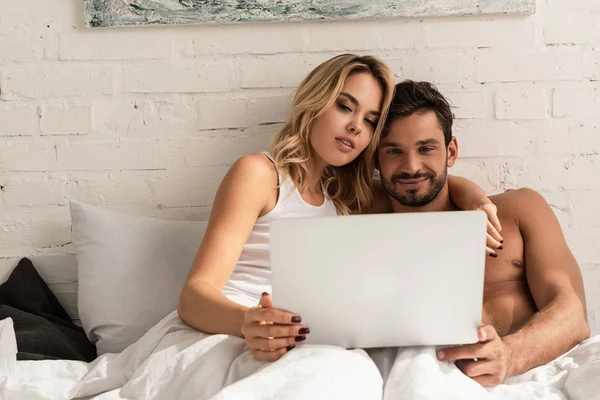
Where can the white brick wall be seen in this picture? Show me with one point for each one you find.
(111, 45)
(147, 120)
(56, 81)
(183, 77)
(522, 104)
(65, 119)
(529, 65)
(17, 120)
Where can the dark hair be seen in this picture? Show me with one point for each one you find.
(413, 97)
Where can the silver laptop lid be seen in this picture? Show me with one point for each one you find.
(382, 280)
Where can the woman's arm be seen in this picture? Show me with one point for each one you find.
(467, 195)
(242, 196)
(464, 193)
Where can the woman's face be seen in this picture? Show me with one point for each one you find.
(346, 128)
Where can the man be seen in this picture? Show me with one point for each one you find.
(534, 306)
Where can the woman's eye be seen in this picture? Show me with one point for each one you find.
(393, 151)
(372, 123)
(344, 107)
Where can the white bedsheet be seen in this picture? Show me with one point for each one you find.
(173, 361)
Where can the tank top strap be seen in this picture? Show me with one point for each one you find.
(269, 156)
(287, 187)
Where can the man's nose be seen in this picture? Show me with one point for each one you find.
(412, 164)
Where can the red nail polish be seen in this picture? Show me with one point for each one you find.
(265, 294)
(493, 255)
(296, 320)
(501, 247)
(300, 338)
(304, 331)
(290, 347)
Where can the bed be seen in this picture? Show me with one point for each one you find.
(146, 352)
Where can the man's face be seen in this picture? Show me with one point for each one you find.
(414, 159)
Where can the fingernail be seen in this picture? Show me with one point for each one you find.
(500, 247)
(493, 255)
(300, 338)
(265, 294)
(290, 347)
(502, 241)
(441, 355)
(296, 320)
(304, 331)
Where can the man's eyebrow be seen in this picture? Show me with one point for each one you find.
(356, 103)
(387, 143)
(426, 142)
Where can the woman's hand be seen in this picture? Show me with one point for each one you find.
(270, 332)
(494, 239)
(468, 196)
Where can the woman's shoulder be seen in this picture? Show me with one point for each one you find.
(258, 163)
(256, 167)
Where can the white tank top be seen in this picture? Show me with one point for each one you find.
(252, 274)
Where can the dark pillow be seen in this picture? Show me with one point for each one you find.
(43, 328)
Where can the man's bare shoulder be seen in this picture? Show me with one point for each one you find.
(381, 199)
(520, 196)
(519, 203)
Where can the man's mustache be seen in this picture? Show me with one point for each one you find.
(407, 176)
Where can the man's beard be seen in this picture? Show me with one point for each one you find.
(413, 198)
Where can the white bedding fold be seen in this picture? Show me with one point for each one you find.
(8, 347)
(175, 361)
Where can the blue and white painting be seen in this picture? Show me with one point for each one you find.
(105, 13)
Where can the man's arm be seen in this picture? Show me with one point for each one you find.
(556, 285)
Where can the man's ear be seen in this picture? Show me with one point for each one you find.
(452, 152)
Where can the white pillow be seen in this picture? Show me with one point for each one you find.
(130, 271)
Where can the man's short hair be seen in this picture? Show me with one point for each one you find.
(413, 97)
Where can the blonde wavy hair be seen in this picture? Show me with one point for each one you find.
(349, 186)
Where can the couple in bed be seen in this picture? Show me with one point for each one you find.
(349, 118)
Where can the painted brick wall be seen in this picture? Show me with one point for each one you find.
(147, 120)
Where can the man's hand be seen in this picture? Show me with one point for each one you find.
(486, 362)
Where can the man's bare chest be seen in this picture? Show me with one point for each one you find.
(509, 266)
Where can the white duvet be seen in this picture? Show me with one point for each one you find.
(173, 361)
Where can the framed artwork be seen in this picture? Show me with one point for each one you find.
(113, 13)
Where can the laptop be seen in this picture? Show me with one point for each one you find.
(382, 280)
